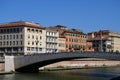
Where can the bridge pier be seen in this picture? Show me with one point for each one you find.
(14, 63)
(9, 63)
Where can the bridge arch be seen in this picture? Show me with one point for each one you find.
(31, 63)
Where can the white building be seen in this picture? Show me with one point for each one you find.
(51, 40)
(22, 38)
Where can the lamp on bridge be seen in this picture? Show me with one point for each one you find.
(37, 45)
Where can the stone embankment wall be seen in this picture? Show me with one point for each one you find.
(85, 63)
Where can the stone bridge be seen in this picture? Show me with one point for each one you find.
(28, 63)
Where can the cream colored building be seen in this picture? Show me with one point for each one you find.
(22, 38)
(105, 40)
(35, 40)
(114, 37)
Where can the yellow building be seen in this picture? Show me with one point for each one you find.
(61, 41)
(75, 40)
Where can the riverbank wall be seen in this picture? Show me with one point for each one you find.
(82, 64)
(76, 64)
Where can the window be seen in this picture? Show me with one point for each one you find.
(28, 42)
(28, 36)
(36, 30)
(21, 42)
(28, 29)
(7, 43)
(21, 36)
(1, 31)
(40, 44)
(17, 29)
(32, 37)
(13, 42)
(13, 36)
(21, 48)
(11, 30)
(10, 42)
(47, 33)
(40, 49)
(4, 43)
(7, 36)
(70, 40)
(32, 30)
(32, 43)
(0, 43)
(36, 37)
(5, 30)
(4, 37)
(8, 30)
(14, 30)
(28, 48)
(40, 37)
(32, 48)
(16, 36)
(10, 36)
(0, 37)
(16, 42)
(66, 45)
(66, 39)
(40, 31)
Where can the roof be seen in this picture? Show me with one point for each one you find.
(20, 24)
(75, 31)
(103, 31)
(95, 39)
(49, 29)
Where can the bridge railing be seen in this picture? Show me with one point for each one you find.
(22, 54)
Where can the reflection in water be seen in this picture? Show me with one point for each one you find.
(81, 74)
(116, 78)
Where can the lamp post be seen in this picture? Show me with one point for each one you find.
(101, 42)
(37, 49)
(109, 47)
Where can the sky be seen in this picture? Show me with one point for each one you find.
(86, 15)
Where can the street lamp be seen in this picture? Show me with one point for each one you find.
(109, 47)
(37, 49)
(101, 42)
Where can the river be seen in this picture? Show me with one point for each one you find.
(77, 74)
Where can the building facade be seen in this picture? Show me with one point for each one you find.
(61, 40)
(34, 40)
(105, 41)
(22, 38)
(75, 40)
(61, 47)
(51, 40)
(71, 39)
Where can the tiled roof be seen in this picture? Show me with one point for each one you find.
(20, 24)
(103, 31)
(93, 39)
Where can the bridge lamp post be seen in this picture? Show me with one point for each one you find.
(101, 41)
(109, 47)
(37, 45)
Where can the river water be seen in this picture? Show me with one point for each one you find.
(78, 74)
